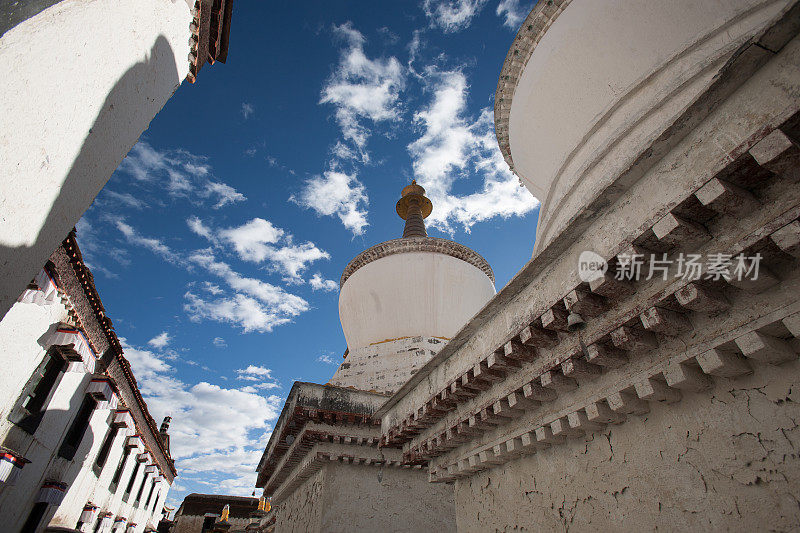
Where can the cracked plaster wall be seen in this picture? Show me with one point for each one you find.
(347, 498)
(368, 498)
(386, 366)
(724, 459)
(302, 510)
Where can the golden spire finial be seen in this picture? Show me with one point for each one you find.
(413, 207)
(226, 512)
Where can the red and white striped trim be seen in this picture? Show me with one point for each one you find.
(52, 492)
(10, 467)
(74, 339)
(45, 293)
(88, 513)
(103, 391)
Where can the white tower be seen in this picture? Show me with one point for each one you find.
(403, 299)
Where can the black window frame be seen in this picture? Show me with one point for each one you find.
(77, 429)
(38, 511)
(150, 495)
(131, 481)
(114, 485)
(38, 392)
(105, 449)
(139, 494)
(208, 525)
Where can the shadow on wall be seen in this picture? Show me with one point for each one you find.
(12, 12)
(17, 502)
(112, 135)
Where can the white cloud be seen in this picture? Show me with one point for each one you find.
(143, 162)
(181, 173)
(94, 248)
(126, 199)
(318, 283)
(259, 240)
(256, 306)
(452, 15)
(219, 342)
(212, 288)
(152, 244)
(160, 341)
(362, 88)
(217, 434)
(293, 260)
(327, 359)
(247, 110)
(197, 226)
(337, 193)
(451, 147)
(253, 370)
(514, 12)
(145, 363)
(258, 374)
(240, 310)
(251, 240)
(224, 194)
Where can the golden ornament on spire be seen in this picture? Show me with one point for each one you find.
(226, 512)
(413, 207)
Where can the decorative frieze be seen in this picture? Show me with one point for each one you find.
(417, 244)
(103, 391)
(81, 357)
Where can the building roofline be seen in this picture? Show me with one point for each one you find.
(324, 399)
(86, 279)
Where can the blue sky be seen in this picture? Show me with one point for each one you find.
(218, 244)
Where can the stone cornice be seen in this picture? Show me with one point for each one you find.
(530, 33)
(417, 244)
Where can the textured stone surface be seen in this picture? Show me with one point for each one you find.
(385, 366)
(345, 498)
(722, 460)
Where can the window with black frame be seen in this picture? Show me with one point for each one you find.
(149, 496)
(34, 517)
(208, 523)
(139, 494)
(77, 430)
(105, 449)
(37, 393)
(129, 488)
(118, 472)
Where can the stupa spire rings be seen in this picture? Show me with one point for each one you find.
(414, 207)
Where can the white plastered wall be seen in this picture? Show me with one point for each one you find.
(386, 366)
(81, 81)
(23, 332)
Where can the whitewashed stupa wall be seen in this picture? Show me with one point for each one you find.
(411, 294)
(386, 366)
(605, 80)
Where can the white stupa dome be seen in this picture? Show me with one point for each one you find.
(412, 286)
